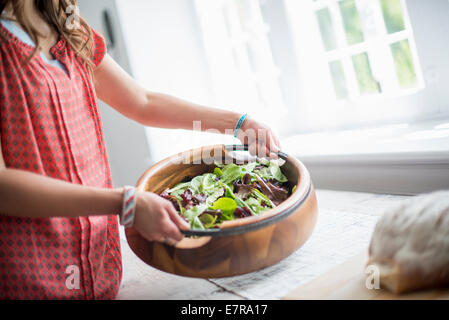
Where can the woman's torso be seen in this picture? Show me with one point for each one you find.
(50, 125)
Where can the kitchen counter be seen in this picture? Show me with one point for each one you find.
(345, 223)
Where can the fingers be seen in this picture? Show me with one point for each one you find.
(273, 144)
(157, 220)
(252, 148)
(273, 147)
(176, 218)
(262, 150)
(170, 230)
(261, 140)
(278, 144)
(171, 224)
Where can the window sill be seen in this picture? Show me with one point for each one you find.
(397, 159)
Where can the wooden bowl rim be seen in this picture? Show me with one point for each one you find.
(282, 211)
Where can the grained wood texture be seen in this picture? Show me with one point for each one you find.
(215, 257)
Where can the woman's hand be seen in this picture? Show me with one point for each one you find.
(156, 219)
(261, 140)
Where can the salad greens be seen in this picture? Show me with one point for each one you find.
(229, 192)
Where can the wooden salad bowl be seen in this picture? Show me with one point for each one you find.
(238, 246)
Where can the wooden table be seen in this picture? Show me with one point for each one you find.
(345, 223)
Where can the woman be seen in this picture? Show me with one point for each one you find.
(58, 207)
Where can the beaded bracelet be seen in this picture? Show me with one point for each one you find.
(128, 207)
(239, 124)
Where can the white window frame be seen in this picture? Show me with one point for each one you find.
(379, 45)
(386, 168)
(222, 49)
(430, 99)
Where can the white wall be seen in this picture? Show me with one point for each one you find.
(164, 45)
(126, 141)
(158, 42)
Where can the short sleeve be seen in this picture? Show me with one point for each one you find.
(98, 48)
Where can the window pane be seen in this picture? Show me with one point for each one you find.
(236, 59)
(367, 83)
(228, 21)
(254, 56)
(392, 15)
(351, 21)
(326, 28)
(338, 78)
(244, 12)
(405, 69)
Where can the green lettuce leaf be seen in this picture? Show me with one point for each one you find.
(179, 187)
(238, 200)
(259, 195)
(276, 172)
(231, 172)
(273, 171)
(220, 183)
(218, 172)
(255, 205)
(192, 215)
(226, 205)
(208, 220)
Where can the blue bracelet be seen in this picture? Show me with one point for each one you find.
(239, 124)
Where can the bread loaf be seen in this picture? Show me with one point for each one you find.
(410, 244)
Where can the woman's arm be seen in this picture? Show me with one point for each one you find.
(116, 87)
(26, 194)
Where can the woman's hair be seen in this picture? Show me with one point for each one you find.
(56, 13)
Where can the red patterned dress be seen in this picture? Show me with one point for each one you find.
(50, 125)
